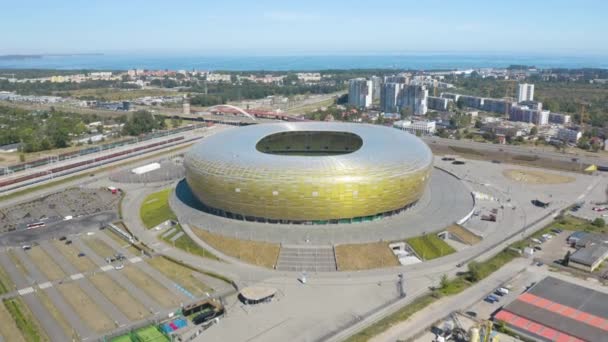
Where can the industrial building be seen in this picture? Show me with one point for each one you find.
(557, 310)
(308, 172)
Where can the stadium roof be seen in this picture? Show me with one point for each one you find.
(557, 310)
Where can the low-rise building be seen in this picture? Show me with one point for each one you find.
(569, 135)
(527, 114)
(416, 126)
(589, 258)
(559, 119)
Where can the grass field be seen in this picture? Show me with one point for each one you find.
(8, 329)
(155, 209)
(365, 256)
(254, 252)
(48, 304)
(179, 274)
(25, 321)
(113, 94)
(6, 284)
(536, 177)
(88, 311)
(151, 287)
(150, 334)
(45, 264)
(429, 246)
(133, 309)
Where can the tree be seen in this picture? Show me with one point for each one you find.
(599, 222)
(474, 271)
(142, 122)
(566, 260)
(534, 131)
(478, 124)
(444, 282)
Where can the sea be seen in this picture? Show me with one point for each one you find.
(414, 61)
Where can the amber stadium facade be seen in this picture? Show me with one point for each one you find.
(308, 172)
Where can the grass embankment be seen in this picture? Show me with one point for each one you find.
(364, 256)
(24, 320)
(259, 253)
(113, 94)
(429, 246)
(156, 210)
(6, 284)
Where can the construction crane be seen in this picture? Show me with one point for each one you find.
(509, 89)
(583, 114)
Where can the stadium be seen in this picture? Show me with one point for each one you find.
(308, 172)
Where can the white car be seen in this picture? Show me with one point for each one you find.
(119, 267)
(503, 290)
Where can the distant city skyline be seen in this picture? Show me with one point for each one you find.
(272, 27)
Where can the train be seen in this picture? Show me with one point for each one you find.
(63, 168)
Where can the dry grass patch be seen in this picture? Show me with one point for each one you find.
(100, 247)
(83, 264)
(151, 287)
(364, 256)
(45, 264)
(8, 328)
(48, 304)
(254, 252)
(536, 177)
(88, 311)
(463, 234)
(180, 274)
(133, 309)
(18, 263)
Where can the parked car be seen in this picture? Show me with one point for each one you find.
(63, 238)
(81, 254)
(538, 248)
(503, 290)
(494, 297)
(26, 247)
(119, 267)
(69, 242)
(490, 300)
(539, 264)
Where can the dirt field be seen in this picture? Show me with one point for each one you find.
(45, 264)
(180, 274)
(254, 252)
(151, 287)
(90, 313)
(8, 328)
(364, 256)
(536, 177)
(99, 247)
(83, 264)
(48, 304)
(133, 309)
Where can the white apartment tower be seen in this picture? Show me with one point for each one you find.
(525, 92)
(360, 92)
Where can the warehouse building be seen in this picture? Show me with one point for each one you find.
(557, 310)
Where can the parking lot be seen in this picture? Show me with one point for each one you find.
(90, 284)
(57, 207)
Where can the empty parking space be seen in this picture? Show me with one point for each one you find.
(45, 264)
(88, 311)
(151, 287)
(119, 297)
(181, 275)
(82, 263)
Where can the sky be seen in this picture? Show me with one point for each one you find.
(269, 27)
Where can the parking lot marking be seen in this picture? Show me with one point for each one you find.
(107, 268)
(77, 276)
(25, 291)
(45, 285)
(135, 260)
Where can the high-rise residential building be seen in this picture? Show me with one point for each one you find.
(525, 92)
(360, 92)
(496, 105)
(527, 114)
(389, 96)
(560, 119)
(569, 135)
(376, 87)
(414, 97)
(437, 103)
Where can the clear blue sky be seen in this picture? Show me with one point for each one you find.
(311, 26)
